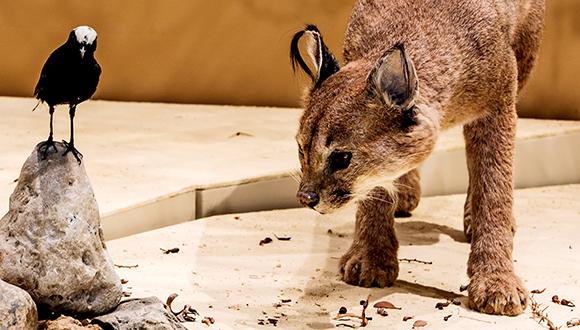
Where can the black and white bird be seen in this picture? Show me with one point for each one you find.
(69, 76)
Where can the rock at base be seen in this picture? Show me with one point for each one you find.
(17, 309)
(66, 323)
(144, 313)
(51, 241)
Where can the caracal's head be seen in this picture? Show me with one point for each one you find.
(361, 127)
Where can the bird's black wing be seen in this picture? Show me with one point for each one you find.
(90, 81)
(48, 73)
(97, 70)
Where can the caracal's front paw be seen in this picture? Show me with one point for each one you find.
(407, 201)
(408, 194)
(500, 294)
(363, 267)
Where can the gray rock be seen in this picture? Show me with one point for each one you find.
(51, 242)
(139, 314)
(17, 309)
(66, 323)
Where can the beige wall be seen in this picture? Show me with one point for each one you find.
(196, 51)
(554, 91)
(229, 51)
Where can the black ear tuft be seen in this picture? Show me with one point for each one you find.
(394, 78)
(323, 61)
(296, 57)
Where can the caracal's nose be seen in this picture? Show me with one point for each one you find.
(308, 198)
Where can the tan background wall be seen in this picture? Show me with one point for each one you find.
(554, 91)
(229, 51)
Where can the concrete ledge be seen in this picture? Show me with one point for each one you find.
(223, 272)
(163, 212)
(546, 154)
(260, 195)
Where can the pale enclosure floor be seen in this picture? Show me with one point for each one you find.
(223, 272)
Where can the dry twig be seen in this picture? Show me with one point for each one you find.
(538, 291)
(417, 261)
(540, 315)
(345, 316)
(475, 319)
(283, 238)
(365, 304)
(126, 266)
(240, 134)
(184, 315)
(364, 321)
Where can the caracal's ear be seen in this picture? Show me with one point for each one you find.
(322, 61)
(394, 79)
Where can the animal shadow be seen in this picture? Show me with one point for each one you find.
(417, 232)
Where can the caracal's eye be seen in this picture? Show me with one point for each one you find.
(339, 160)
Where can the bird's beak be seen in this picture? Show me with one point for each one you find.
(83, 52)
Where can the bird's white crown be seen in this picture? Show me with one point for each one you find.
(85, 34)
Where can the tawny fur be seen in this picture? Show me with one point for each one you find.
(471, 58)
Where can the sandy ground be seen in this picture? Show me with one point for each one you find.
(223, 272)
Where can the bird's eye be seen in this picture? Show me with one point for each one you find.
(339, 160)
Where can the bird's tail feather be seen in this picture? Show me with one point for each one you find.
(37, 104)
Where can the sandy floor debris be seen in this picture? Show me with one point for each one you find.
(243, 285)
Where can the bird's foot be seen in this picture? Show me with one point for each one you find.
(70, 147)
(44, 148)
